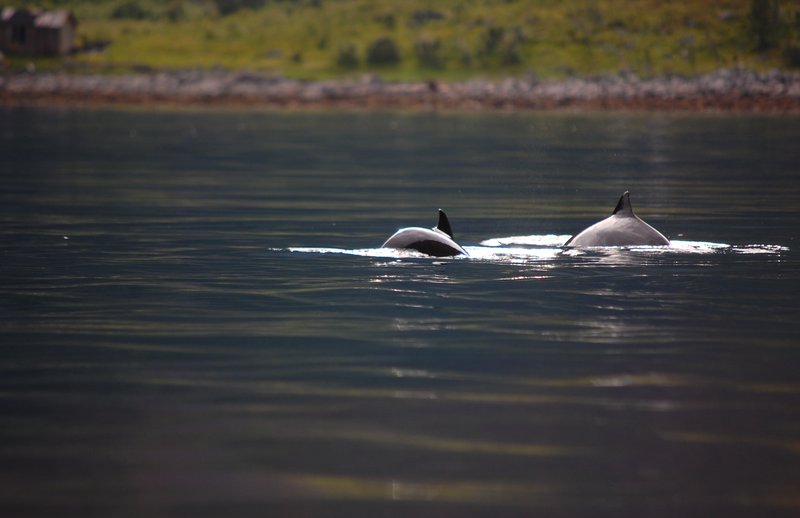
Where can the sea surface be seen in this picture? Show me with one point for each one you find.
(198, 319)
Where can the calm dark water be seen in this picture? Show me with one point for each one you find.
(176, 343)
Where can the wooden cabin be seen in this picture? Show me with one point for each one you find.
(37, 32)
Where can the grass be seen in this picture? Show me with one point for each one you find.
(449, 39)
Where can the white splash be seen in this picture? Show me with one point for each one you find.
(534, 240)
(363, 252)
(547, 247)
(512, 254)
(675, 246)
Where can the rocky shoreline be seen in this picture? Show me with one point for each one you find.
(724, 90)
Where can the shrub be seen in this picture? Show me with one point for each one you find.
(504, 43)
(510, 52)
(226, 7)
(423, 16)
(130, 10)
(464, 54)
(383, 51)
(347, 56)
(427, 51)
(492, 38)
(765, 23)
(387, 20)
(175, 11)
(793, 56)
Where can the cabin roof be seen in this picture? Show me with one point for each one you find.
(54, 19)
(7, 13)
(43, 19)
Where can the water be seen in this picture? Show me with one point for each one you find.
(197, 320)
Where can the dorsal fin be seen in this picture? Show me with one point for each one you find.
(624, 207)
(444, 224)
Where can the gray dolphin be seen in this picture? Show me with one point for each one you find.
(437, 241)
(622, 228)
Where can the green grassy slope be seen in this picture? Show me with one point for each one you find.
(454, 39)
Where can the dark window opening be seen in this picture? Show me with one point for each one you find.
(18, 34)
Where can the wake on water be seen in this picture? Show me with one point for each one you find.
(533, 248)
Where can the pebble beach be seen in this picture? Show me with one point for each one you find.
(725, 90)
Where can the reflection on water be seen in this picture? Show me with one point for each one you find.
(421, 277)
(218, 335)
(427, 324)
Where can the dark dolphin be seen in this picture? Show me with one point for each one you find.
(437, 241)
(622, 228)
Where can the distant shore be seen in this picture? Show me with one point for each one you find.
(730, 90)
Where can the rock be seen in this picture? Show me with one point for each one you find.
(775, 90)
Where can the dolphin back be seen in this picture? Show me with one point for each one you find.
(622, 228)
(437, 241)
(426, 241)
(616, 231)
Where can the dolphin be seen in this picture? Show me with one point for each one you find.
(437, 241)
(622, 228)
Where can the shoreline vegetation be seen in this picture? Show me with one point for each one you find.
(729, 90)
(725, 55)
